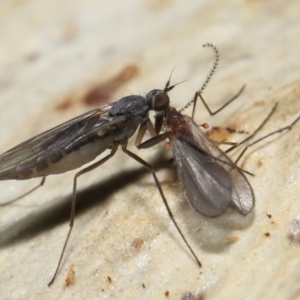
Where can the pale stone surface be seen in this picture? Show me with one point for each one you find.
(123, 245)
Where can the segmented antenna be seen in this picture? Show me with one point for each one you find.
(208, 78)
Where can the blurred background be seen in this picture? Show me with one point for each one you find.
(59, 59)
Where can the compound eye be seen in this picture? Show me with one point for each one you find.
(161, 102)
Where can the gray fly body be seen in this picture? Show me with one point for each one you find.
(76, 142)
(79, 141)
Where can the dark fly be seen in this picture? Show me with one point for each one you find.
(211, 181)
(79, 141)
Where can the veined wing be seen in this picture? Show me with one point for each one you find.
(63, 133)
(205, 183)
(219, 180)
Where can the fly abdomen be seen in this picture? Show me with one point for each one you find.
(71, 157)
(61, 159)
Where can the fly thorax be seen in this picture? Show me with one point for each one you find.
(130, 106)
(175, 121)
(134, 109)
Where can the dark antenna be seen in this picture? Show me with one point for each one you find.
(209, 76)
(168, 87)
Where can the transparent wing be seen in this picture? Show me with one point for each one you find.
(206, 184)
(223, 180)
(58, 136)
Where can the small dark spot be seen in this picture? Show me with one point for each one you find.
(259, 162)
(65, 104)
(267, 234)
(269, 216)
(143, 286)
(109, 279)
(220, 134)
(232, 130)
(137, 243)
(167, 293)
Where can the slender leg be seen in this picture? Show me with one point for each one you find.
(198, 94)
(257, 129)
(142, 130)
(155, 140)
(27, 193)
(87, 169)
(288, 127)
(225, 143)
(159, 122)
(266, 136)
(149, 167)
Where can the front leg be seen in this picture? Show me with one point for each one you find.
(147, 126)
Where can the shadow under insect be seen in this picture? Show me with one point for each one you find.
(210, 234)
(55, 213)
